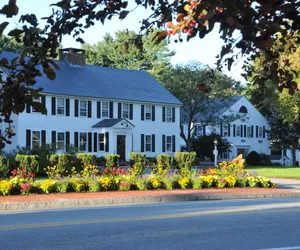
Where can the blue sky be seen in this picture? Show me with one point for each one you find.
(203, 50)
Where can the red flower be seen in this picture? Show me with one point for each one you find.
(32, 174)
(14, 172)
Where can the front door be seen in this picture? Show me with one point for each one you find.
(242, 151)
(121, 145)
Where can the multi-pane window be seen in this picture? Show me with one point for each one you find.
(101, 141)
(199, 130)
(60, 106)
(82, 141)
(168, 114)
(225, 155)
(38, 99)
(148, 143)
(238, 131)
(225, 130)
(148, 112)
(36, 139)
(83, 108)
(60, 141)
(125, 110)
(168, 143)
(260, 132)
(249, 132)
(105, 109)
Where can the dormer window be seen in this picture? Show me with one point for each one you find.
(243, 110)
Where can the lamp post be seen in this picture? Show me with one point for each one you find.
(216, 151)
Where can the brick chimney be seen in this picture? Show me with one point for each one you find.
(75, 57)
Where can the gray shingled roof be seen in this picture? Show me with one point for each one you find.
(106, 123)
(102, 82)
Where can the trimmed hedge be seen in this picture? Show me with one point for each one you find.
(28, 162)
(137, 162)
(86, 159)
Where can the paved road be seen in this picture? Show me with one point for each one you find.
(235, 224)
(293, 184)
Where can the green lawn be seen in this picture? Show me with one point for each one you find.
(280, 172)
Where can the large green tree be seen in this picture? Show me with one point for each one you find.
(197, 86)
(10, 44)
(257, 22)
(120, 52)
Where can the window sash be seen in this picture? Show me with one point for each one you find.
(60, 141)
(125, 110)
(148, 143)
(169, 143)
(82, 141)
(148, 112)
(248, 131)
(105, 109)
(199, 131)
(238, 130)
(36, 139)
(168, 114)
(101, 142)
(60, 106)
(83, 108)
(260, 132)
(225, 130)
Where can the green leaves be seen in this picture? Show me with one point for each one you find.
(49, 71)
(11, 9)
(15, 32)
(2, 27)
(123, 14)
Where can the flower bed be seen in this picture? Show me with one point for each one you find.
(91, 179)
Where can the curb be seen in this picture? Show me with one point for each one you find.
(81, 203)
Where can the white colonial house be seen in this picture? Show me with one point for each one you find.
(100, 110)
(249, 132)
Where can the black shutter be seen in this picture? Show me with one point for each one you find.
(130, 111)
(98, 109)
(111, 110)
(28, 138)
(54, 139)
(153, 143)
(264, 132)
(164, 143)
(173, 115)
(142, 112)
(173, 143)
(43, 137)
(76, 108)
(245, 131)
(43, 100)
(228, 130)
(153, 113)
(163, 114)
(67, 141)
(67, 107)
(90, 142)
(204, 129)
(119, 110)
(142, 143)
(53, 101)
(76, 139)
(106, 142)
(95, 142)
(241, 130)
(89, 109)
(221, 129)
(28, 108)
(256, 131)
(252, 131)
(233, 130)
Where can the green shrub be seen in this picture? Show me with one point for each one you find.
(184, 161)
(253, 159)
(64, 185)
(48, 186)
(137, 162)
(168, 182)
(86, 159)
(164, 164)
(265, 160)
(241, 182)
(141, 184)
(4, 166)
(112, 161)
(63, 162)
(93, 185)
(196, 183)
(28, 162)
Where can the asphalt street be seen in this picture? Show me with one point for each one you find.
(235, 224)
